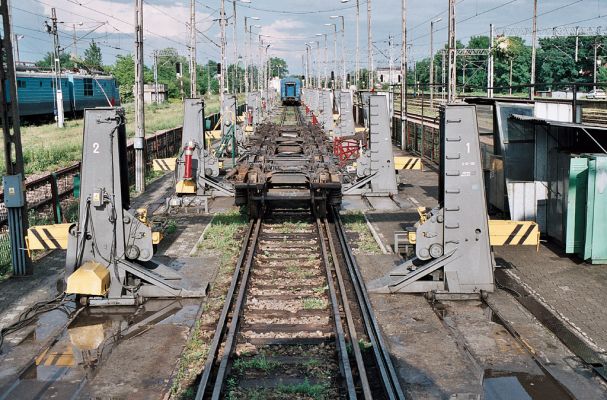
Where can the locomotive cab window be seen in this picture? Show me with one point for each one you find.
(20, 83)
(88, 86)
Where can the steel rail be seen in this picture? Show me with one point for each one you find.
(380, 349)
(360, 363)
(340, 338)
(250, 241)
(231, 338)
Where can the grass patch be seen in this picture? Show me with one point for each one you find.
(355, 223)
(260, 363)
(320, 289)
(316, 391)
(223, 237)
(312, 303)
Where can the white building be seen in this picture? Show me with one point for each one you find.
(384, 75)
(149, 93)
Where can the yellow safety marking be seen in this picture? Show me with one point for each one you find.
(164, 164)
(214, 134)
(513, 233)
(63, 358)
(408, 162)
(48, 237)
(156, 237)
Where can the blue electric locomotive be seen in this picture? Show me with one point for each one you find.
(290, 91)
(36, 92)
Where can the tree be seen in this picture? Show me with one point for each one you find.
(511, 51)
(278, 67)
(124, 72)
(47, 61)
(92, 57)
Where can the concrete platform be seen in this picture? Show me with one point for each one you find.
(463, 349)
(108, 352)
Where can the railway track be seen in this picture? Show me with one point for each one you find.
(296, 320)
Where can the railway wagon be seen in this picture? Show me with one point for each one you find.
(290, 91)
(36, 92)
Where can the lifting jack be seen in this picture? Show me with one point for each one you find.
(110, 250)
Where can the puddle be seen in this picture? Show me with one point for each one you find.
(507, 385)
(79, 351)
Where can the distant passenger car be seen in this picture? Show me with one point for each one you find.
(36, 92)
(290, 91)
(596, 94)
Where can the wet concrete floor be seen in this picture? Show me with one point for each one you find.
(464, 349)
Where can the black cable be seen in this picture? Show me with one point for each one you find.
(29, 315)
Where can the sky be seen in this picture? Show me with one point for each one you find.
(286, 25)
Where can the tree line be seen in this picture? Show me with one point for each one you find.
(168, 60)
(556, 64)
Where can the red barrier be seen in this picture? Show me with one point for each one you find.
(345, 149)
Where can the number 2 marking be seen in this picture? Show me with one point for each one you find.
(96, 148)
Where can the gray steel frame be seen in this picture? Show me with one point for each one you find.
(107, 232)
(452, 249)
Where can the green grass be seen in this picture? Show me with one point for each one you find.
(260, 363)
(317, 391)
(220, 236)
(355, 223)
(312, 303)
(223, 237)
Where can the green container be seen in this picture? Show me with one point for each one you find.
(595, 246)
(576, 205)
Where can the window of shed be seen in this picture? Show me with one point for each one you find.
(20, 83)
(88, 87)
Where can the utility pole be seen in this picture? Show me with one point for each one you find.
(17, 39)
(596, 47)
(157, 101)
(451, 93)
(533, 50)
(52, 29)
(403, 71)
(193, 75)
(390, 62)
(343, 46)
(510, 79)
(369, 46)
(247, 55)
(443, 75)
(334, 51)
(307, 65)
(235, 77)
(432, 60)
(139, 111)
(222, 69)
(357, 73)
(577, 42)
(74, 42)
(13, 153)
(222, 23)
(490, 64)
(318, 63)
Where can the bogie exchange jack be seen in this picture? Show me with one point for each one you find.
(453, 252)
(109, 256)
(196, 167)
